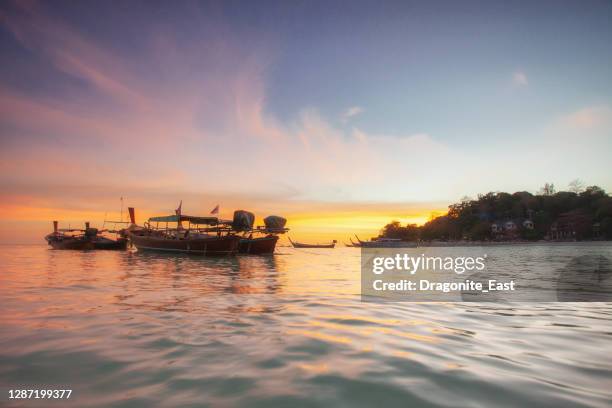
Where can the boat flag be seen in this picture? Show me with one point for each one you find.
(178, 213)
(215, 210)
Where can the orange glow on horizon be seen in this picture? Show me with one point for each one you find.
(344, 225)
(318, 226)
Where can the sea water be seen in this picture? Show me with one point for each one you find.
(289, 330)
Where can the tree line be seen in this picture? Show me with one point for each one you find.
(587, 212)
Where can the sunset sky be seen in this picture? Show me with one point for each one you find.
(338, 115)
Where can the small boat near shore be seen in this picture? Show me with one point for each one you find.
(302, 245)
(352, 244)
(385, 243)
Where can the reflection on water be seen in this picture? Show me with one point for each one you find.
(147, 329)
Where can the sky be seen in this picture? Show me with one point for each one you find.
(340, 116)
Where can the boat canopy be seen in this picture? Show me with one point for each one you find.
(188, 218)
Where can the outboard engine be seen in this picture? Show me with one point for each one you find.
(243, 220)
(274, 223)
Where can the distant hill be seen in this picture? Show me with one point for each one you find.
(564, 215)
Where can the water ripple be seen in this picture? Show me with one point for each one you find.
(131, 329)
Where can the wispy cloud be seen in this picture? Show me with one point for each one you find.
(351, 113)
(203, 134)
(519, 78)
(591, 117)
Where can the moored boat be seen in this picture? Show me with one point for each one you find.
(355, 244)
(106, 243)
(75, 239)
(302, 245)
(258, 245)
(202, 236)
(261, 240)
(200, 244)
(386, 243)
(113, 235)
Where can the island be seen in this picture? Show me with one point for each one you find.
(584, 214)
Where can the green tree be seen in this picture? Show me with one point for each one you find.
(472, 218)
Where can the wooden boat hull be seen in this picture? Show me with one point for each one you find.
(258, 246)
(72, 244)
(330, 246)
(384, 243)
(214, 245)
(374, 244)
(110, 244)
(300, 245)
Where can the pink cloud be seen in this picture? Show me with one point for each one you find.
(519, 78)
(200, 132)
(589, 117)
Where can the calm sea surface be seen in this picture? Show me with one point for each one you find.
(134, 329)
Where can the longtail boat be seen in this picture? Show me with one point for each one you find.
(202, 236)
(258, 245)
(117, 241)
(106, 243)
(261, 240)
(88, 238)
(301, 245)
(77, 239)
(354, 244)
(381, 242)
(118, 233)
